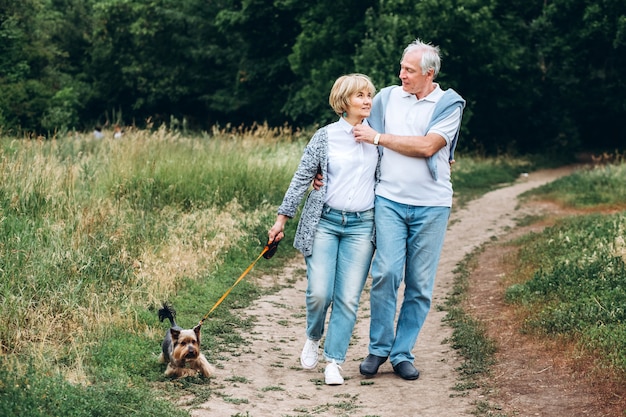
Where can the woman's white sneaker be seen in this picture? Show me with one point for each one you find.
(332, 376)
(309, 356)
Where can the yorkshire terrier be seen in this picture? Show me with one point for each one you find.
(181, 347)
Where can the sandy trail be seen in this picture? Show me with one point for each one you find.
(264, 378)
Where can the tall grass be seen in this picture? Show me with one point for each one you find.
(94, 235)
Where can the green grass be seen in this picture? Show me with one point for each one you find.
(475, 176)
(31, 393)
(578, 286)
(95, 235)
(468, 336)
(600, 187)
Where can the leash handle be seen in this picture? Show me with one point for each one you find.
(270, 249)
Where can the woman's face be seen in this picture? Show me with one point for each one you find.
(360, 105)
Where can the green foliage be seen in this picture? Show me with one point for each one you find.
(33, 77)
(150, 58)
(324, 26)
(261, 39)
(524, 67)
(567, 59)
(609, 339)
(63, 111)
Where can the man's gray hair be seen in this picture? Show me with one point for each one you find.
(430, 56)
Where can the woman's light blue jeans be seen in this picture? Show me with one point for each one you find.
(336, 273)
(409, 240)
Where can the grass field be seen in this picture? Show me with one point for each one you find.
(94, 235)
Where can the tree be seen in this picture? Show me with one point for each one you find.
(41, 49)
(157, 59)
(479, 58)
(261, 36)
(581, 58)
(25, 80)
(536, 75)
(323, 51)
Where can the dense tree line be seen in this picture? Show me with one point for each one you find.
(537, 75)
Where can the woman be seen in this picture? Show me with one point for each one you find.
(336, 229)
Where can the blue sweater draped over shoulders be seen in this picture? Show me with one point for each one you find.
(449, 102)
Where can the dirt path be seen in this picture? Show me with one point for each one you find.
(265, 378)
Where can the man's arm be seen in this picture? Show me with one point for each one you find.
(415, 146)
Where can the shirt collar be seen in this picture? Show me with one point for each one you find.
(347, 127)
(434, 95)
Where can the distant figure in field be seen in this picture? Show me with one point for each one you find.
(118, 132)
(97, 133)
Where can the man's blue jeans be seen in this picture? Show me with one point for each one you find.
(409, 240)
(336, 273)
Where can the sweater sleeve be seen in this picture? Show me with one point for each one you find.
(303, 177)
(450, 101)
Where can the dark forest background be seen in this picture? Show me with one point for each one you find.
(538, 75)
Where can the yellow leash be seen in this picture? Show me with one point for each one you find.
(268, 252)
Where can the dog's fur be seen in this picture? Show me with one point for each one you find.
(181, 349)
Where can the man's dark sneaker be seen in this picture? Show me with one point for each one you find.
(406, 370)
(369, 367)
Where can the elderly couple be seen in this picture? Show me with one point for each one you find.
(381, 182)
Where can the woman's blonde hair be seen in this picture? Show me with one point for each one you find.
(344, 87)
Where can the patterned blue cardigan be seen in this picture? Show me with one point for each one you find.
(315, 155)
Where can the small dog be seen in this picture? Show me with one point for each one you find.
(181, 347)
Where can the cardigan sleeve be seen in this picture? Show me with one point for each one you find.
(302, 178)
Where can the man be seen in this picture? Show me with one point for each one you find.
(416, 127)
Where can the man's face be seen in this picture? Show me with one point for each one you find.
(413, 81)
